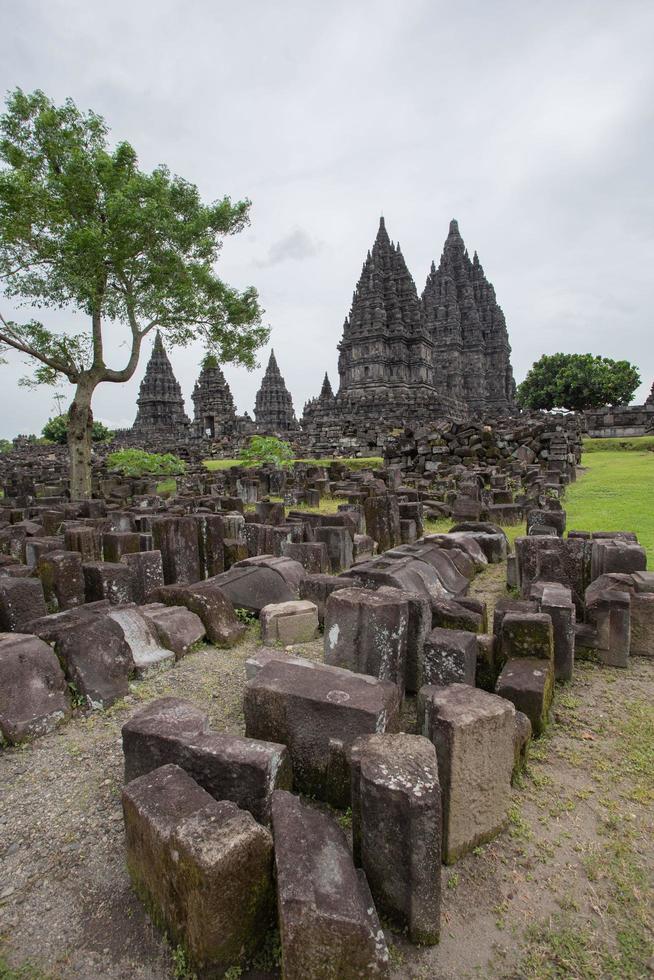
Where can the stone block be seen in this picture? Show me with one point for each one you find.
(147, 573)
(203, 867)
(177, 540)
(396, 829)
(84, 539)
(177, 628)
(473, 732)
(115, 544)
(108, 580)
(419, 625)
(527, 635)
(289, 622)
(339, 544)
(228, 767)
(318, 588)
(317, 711)
(528, 683)
(558, 605)
(382, 516)
(608, 612)
(453, 615)
(449, 657)
(147, 653)
(62, 577)
(208, 601)
(96, 659)
(312, 555)
(21, 600)
(34, 696)
(327, 921)
(367, 632)
(642, 624)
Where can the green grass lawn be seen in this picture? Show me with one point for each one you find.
(615, 493)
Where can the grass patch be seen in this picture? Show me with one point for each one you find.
(352, 463)
(637, 444)
(615, 494)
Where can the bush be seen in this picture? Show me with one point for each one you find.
(136, 462)
(267, 449)
(56, 430)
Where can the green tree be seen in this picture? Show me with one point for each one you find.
(578, 382)
(267, 449)
(81, 227)
(6, 446)
(56, 430)
(137, 462)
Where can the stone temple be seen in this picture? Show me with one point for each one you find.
(160, 403)
(214, 409)
(273, 409)
(403, 358)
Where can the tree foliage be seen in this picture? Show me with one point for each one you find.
(83, 228)
(137, 462)
(56, 430)
(578, 382)
(267, 449)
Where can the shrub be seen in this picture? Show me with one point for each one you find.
(136, 462)
(267, 449)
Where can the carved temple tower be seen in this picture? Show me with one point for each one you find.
(160, 403)
(471, 343)
(273, 409)
(214, 410)
(386, 355)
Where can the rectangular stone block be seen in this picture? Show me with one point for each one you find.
(147, 573)
(327, 921)
(229, 767)
(367, 632)
(289, 622)
(527, 635)
(558, 605)
(317, 711)
(449, 657)
(473, 733)
(177, 540)
(177, 628)
(396, 829)
(203, 867)
(34, 696)
(21, 600)
(108, 580)
(62, 577)
(528, 683)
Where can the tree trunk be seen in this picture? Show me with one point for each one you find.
(80, 431)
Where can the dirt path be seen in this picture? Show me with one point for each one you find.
(566, 891)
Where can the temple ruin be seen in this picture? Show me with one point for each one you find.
(403, 358)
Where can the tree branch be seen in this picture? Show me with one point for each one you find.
(13, 340)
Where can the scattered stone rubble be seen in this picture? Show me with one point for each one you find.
(95, 595)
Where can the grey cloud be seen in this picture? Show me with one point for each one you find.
(297, 245)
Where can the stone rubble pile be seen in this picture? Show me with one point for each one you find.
(96, 594)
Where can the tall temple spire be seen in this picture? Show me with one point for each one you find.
(160, 402)
(274, 406)
(214, 409)
(468, 330)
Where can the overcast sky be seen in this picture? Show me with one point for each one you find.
(532, 123)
